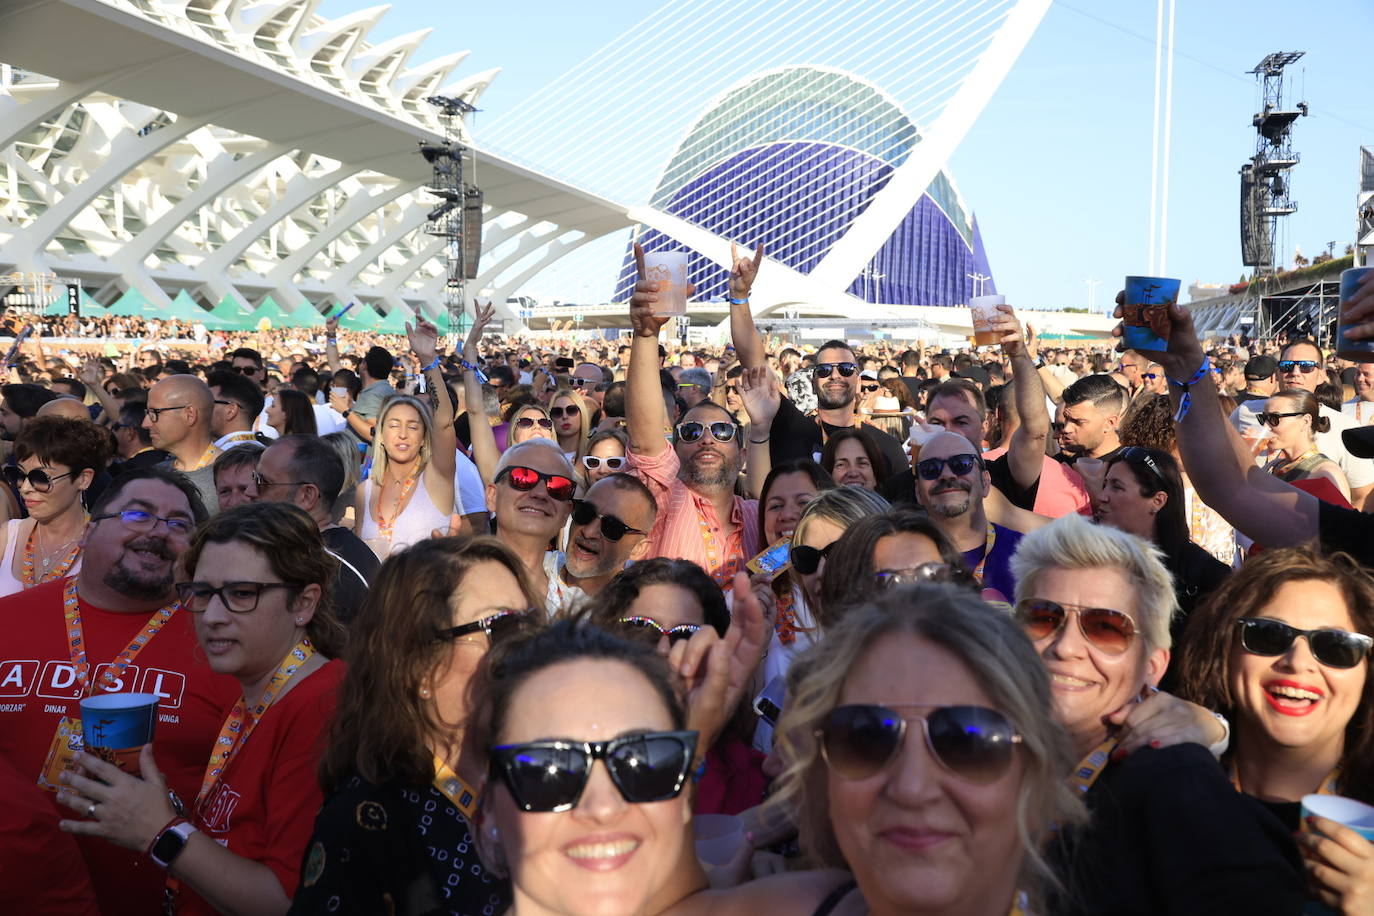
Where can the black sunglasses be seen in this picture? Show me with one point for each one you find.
(807, 560)
(960, 465)
(871, 387)
(1272, 419)
(612, 528)
(547, 776)
(1136, 453)
(522, 478)
(558, 413)
(495, 626)
(1334, 648)
(641, 625)
(38, 478)
(846, 370)
(691, 431)
(859, 741)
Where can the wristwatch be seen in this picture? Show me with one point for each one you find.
(171, 841)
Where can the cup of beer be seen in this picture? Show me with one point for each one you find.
(984, 309)
(1145, 313)
(115, 726)
(669, 270)
(1358, 351)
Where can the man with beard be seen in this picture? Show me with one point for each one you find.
(951, 482)
(114, 628)
(531, 495)
(1093, 406)
(693, 482)
(610, 528)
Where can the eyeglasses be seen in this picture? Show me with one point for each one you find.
(572, 411)
(139, 520)
(1272, 419)
(823, 370)
(155, 413)
(612, 528)
(1333, 647)
(959, 465)
(496, 626)
(721, 431)
(926, 572)
(1136, 453)
(521, 478)
(528, 422)
(262, 483)
(1301, 365)
(593, 463)
(38, 478)
(548, 776)
(238, 597)
(229, 403)
(1109, 631)
(807, 560)
(974, 743)
(648, 624)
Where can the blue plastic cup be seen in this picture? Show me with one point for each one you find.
(115, 726)
(1348, 812)
(1145, 313)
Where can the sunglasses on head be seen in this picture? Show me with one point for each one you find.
(846, 370)
(1302, 365)
(691, 431)
(807, 560)
(974, 743)
(495, 626)
(593, 463)
(547, 776)
(926, 572)
(38, 478)
(571, 411)
(1109, 631)
(522, 478)
(1334, 648)
(612, 528)
(1136, 453)
(1272, 419)
(959, 465)
(645, 625)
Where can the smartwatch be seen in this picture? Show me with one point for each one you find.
(170, 842)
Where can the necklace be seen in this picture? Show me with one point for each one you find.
(32, 574)
(386, 525)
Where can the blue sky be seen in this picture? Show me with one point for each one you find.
(1057, 169)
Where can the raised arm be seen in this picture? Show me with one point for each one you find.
(424, 343)
(645, 414)
(93, 378)
(331, 342)
(484, 452)
(1026, 453)
(743, 332)
(762, 398)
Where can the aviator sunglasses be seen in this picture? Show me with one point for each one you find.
(974, 743)
(521, 478)
(959, 465)
(546, 776)
(1334, 648)
(691, 431)
(612, 528)
(1109, 631)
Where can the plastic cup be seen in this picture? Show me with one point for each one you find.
(115, 726)
(669, 270)
(1359, 351)
(984, 309)
(721, 848)
(1145, 314)
(1348, 812)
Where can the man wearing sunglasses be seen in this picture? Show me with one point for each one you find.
(178, 420)
(531, 497)
(610, 529)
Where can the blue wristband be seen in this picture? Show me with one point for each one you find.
(433, 365)
(734, 301)
(481, 376)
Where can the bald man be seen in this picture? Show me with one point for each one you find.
(65, 406)
(178, 420)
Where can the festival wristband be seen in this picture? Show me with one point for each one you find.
(1186, 404)
(734, 301)
(481, 376)
(434, 364)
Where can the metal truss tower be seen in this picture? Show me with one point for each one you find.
(457, 219)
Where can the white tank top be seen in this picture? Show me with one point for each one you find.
(416, 522)
(9, 585)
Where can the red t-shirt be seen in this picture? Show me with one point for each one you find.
(264, 806)
(38, 687)
(41, 869)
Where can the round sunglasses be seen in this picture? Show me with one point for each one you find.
(859, 741)
(846, 370)
(691, 431)
(612, 528)
(549, 776)
(1333, 647)
(572, 412)
(1109, 631)
(522, 478)
(647, 625)
(39, 479)
(959, 465)
(593, 463)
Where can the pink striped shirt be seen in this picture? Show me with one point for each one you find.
(687, 527)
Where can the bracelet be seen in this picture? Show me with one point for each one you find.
(331, 339)
(1220, 747)
(178, 819)
(1186, 404)
(734, 301)
(700, 771)
(432, 365)
(762, 441)
(481, 376)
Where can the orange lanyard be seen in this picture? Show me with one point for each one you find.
(76, 642)
(205, 459)
(456, 789)
(242, 720)
(987, 552)
(385, 525)
(722, 573)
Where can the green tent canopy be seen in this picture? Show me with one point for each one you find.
(184, 308)
(236, 316)
(90, 307)
(135, 304)
(360, 318)
(306, 316)
(278, 316)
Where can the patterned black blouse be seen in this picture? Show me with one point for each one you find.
(384, 850)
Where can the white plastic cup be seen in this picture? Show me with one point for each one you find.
(984, 309)
(669, 270)
(1348, 812)
(722, 849)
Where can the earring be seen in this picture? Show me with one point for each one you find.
(494, 834)
(300, 622)
(424, 693)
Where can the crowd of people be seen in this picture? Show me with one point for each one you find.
(518, 626)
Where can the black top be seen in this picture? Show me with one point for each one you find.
(357, 567)
(395, 850)
(1170, 835)
(1346, 529)
(795, 435)
(1196, 575)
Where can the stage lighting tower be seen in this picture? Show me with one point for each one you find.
(457, 218)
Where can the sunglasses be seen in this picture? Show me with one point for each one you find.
(528, 422)
(522, 478)
(959, 465)
(549, 776)
(846, 370)
(1332, 647)
(571, 412)
(926, 572)
(612, 528)
(1149, 375)
(721, 431)
(1272, 419)
(495, 626)
(974, 743)
(807, 560)
(870, 387)
(246, 370)
(39, 479)
(1302, 365)
(581, 382)
(593, 463)
(1136, 453)
(642, 625)
(1109, 631)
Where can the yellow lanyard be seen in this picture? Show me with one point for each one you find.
(76, 642)
(456, 789)
(987, 552)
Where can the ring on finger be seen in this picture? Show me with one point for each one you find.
(90, 809)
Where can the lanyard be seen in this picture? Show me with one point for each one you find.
(722, 573)
(205, 459)
(385, 525)
(987, 552)
(26, 571)
(456, 789)
(242, 720)
(76, 642)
